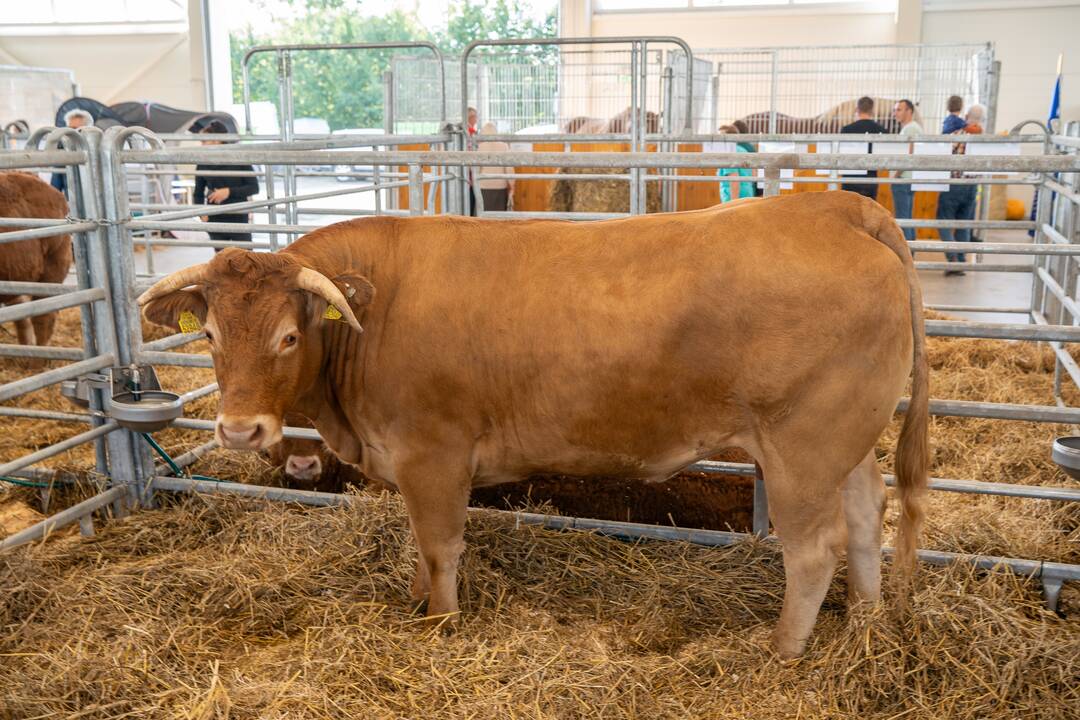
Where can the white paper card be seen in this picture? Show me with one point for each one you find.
(916, 175)
(991, 149)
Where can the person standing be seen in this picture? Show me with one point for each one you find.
(958, 203)
(497, 193)
(903, 196)
(73, 119)
(743, 189)
(224, 189)
(864, 124)
(953, 121)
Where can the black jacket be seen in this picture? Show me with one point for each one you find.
(240, 188)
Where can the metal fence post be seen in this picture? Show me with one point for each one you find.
(416, 190)
(761, 504)
(122, 276)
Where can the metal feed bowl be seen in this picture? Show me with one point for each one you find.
(153, 411)
(1066, 453)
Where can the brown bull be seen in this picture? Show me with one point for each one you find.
(46, 259)
(309, 464)
(495, 350)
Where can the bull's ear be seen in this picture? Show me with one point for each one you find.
(357, 289)
(177, 309)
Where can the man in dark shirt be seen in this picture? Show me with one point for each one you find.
(865, 124)
(224, 190)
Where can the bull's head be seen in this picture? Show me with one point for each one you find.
(264, 316)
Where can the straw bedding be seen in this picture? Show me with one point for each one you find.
(217, 608)
(214, 608)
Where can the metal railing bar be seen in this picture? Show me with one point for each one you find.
(40, 232)
(51, 377)
(972, 487)
(175, 359)
(19, 412)
(57, 448)
(21, 159)
(11, 287)
(47, 353)
(1002, 331)
(173, 341)
(32, 308)
(792, 161)
(968, 267)
(977, 309)
(64, 517)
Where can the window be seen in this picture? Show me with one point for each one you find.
(78, 17)
(653, 5)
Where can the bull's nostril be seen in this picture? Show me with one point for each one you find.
(257, 434)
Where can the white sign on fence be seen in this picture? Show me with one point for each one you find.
(931, 149)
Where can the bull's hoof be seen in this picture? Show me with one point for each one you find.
(787, 648)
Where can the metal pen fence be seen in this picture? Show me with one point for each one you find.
(106, 225)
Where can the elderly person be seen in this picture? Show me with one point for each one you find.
(76, 118)
(496, 193)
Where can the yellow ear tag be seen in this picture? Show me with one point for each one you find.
(188, 322)
(332, 313)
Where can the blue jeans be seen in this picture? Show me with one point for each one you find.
(903, 199)
(956, 204)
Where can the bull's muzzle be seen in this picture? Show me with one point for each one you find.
(257, 432)
(303, 467)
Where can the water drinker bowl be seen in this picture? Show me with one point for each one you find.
(1066, 453)
(146, 410)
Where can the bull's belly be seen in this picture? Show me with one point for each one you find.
(497, 466)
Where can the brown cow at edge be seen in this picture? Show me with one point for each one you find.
(495, 350)
(45, 260)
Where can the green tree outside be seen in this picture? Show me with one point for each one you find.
(346, 87)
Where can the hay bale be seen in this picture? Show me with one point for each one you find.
(595, 196)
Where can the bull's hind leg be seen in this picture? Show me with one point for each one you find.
(806, 509)
(864, 508)
(43, 327)
(24, 328)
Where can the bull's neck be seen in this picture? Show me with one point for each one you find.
(356, 246)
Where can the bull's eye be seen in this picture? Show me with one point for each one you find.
(290, 340)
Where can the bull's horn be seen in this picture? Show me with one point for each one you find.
(319, 284)
(176, 281)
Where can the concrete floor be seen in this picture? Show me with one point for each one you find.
(985, 289)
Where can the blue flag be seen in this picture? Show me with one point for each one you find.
(1055, 102)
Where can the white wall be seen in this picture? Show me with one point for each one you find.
(1027, 42)
(163, 67)
(729, 29)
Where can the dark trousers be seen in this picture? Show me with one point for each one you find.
(230, 236)
(903, 200)
(496, 200)
(956, 204)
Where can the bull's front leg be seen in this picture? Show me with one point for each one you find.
(436, 493)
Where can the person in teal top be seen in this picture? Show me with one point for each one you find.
(733, 191)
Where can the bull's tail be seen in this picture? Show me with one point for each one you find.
(913, 448)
